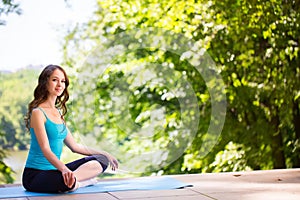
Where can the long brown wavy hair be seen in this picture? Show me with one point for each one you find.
(41, 93)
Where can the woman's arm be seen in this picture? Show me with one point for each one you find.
(84, 150)
(37, 122)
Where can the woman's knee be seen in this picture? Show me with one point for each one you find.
(102, 160)
(94, 166)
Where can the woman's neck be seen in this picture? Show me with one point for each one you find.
(49, 103)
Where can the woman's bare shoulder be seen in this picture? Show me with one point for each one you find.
(37, 114)
(36, 111)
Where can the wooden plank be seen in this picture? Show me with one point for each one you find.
(154, 193)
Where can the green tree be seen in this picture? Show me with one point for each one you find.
(8, 7)
(259, 50)
(15, 92)
(256, 49)
(5, 171)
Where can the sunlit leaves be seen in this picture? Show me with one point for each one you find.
(231, 159)
(263, 39)
(256, 48)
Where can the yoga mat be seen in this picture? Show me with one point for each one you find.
(145, 183)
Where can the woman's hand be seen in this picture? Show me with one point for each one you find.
(112, 161)
(68, 177)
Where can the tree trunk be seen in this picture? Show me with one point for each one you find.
(277, 145)
(296, 122)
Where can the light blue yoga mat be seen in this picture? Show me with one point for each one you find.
(145, 183)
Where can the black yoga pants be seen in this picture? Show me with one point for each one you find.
(51, 181)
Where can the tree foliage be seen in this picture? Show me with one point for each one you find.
(259, 50)
(15, 93)
(8, 7)
(256, 49)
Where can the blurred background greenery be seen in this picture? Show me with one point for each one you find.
(255, 47)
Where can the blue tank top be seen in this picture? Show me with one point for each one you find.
(56, 134)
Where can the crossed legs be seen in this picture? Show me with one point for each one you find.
(86, 172)
(84, 169)
(87, 169)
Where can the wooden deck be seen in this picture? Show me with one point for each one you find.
(257, 185)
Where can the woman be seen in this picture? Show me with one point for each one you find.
(44, 172)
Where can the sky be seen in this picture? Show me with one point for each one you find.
(35, 37)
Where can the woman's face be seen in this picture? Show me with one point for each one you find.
(56, 83)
